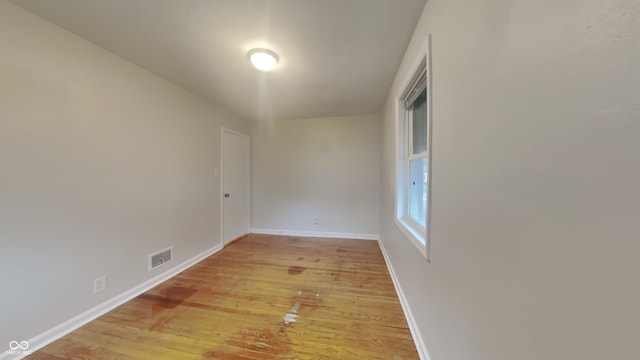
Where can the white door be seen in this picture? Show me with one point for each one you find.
(235, 184)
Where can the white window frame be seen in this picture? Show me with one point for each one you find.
(416, 233)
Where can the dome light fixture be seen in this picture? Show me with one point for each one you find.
(263, 59)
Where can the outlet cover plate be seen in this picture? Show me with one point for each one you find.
(100, 284)
(160, 258)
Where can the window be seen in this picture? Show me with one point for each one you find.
(413, 157)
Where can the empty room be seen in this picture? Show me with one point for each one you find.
(319, 179)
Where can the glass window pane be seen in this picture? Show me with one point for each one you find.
(419, 123)
(418, 190)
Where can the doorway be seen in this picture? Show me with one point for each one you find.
(235, 184)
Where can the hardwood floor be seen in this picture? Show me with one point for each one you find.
(263, 298)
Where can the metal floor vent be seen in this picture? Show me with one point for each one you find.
(160, 258)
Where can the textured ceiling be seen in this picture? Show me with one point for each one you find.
(337, 57)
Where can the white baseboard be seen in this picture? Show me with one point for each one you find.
(68, 326)
(316, 234)
(413, 326)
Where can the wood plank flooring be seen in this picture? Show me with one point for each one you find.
(263, 298)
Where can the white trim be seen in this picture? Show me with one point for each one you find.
(427, 242)
(413, 326)
(402, 154)
(234, 132)
(53, 334)
(322, 234)
(413, 235)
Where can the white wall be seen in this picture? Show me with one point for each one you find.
(326, 168)
(101, 163)
(536, 181)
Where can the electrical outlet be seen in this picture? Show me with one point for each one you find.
(100, 284)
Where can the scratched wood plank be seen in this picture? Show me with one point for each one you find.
(232, 306)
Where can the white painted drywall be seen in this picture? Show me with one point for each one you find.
(536, 181)
(324, 168)
(101, 163)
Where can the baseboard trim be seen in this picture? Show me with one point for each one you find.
(235, 240)
(413, 326)
(316, 234)
(53, 334)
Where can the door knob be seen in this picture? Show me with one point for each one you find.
(227, 194)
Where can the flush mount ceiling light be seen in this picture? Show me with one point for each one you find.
(263, 59)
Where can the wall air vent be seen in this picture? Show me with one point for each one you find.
(160, 258)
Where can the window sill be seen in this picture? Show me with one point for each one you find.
(417, 238)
